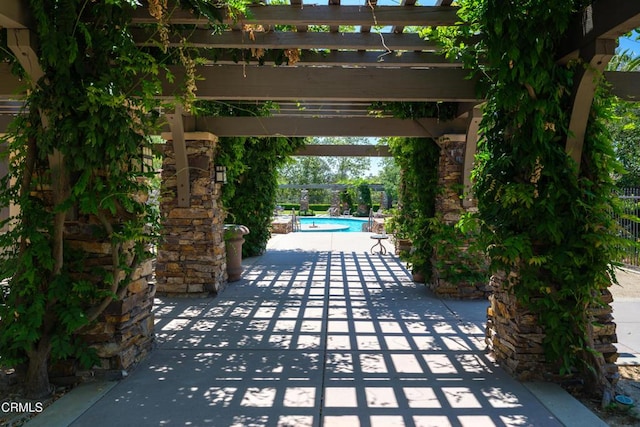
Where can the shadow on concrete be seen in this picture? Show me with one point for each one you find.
(320, 339)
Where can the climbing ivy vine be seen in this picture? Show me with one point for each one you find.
(76, 153)
(543, 220)
(418, 161)
(250, 196)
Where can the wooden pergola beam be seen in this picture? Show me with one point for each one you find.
(400, 28)
(337, 84)
(471, 147)
(320, 15)
(625, 85)
(22, 43)
(15, 14)
(319, 150)
(328, 127)
(597, 56)
(600, 20)
(176, 124)
(342, 58)
(288, 39)
(374, 187)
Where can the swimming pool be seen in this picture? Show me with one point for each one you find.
(313, 223)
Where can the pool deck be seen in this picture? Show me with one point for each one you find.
(281, 224)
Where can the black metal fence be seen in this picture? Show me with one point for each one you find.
(629, 227)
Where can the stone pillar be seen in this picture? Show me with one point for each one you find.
(335, 203)
(123, 334)
(452, 255)
(191, 258)
(515, 337)
(304, 200)
(384, 200)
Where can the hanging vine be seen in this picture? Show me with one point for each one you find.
(418, 159)
(76, 153)
(543, 222)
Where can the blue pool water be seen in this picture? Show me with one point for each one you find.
(331, 224)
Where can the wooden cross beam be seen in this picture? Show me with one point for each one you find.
(287, 39)
(298, 15)
(328, 127)
(344, 150)
(337, 84)
(15, 14)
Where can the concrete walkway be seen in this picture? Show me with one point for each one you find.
(626, 306)
(315, 335)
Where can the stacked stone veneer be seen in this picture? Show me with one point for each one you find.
(191, 258)
(335, 203)
(449, 208)
(283, 226)
(123, 333)
(515, 337)
(604, 334)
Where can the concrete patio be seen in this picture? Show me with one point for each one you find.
(316, 335)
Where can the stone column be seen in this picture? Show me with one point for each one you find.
(191, 258)
(123, 334)
(515, 337)
(335, 203)
(304, 200)
(447, 255)
(384, 200)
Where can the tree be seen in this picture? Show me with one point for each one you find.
(346, 168)
(389, 176)
(625, 125)
(322, 170)
(306, 170)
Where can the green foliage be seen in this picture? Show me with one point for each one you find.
(322, 170)
(314, 207)
(418, 159)
(250, 194)
(89, 112)
(458, 256)
(624, 127)
(363, 193)
(541, 218)
(416, 110)
(389, 177)
(346, 199)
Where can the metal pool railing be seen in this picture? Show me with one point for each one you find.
(629, 227)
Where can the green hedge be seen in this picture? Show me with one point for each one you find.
(317, 207)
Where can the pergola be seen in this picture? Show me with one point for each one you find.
(338, 66)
